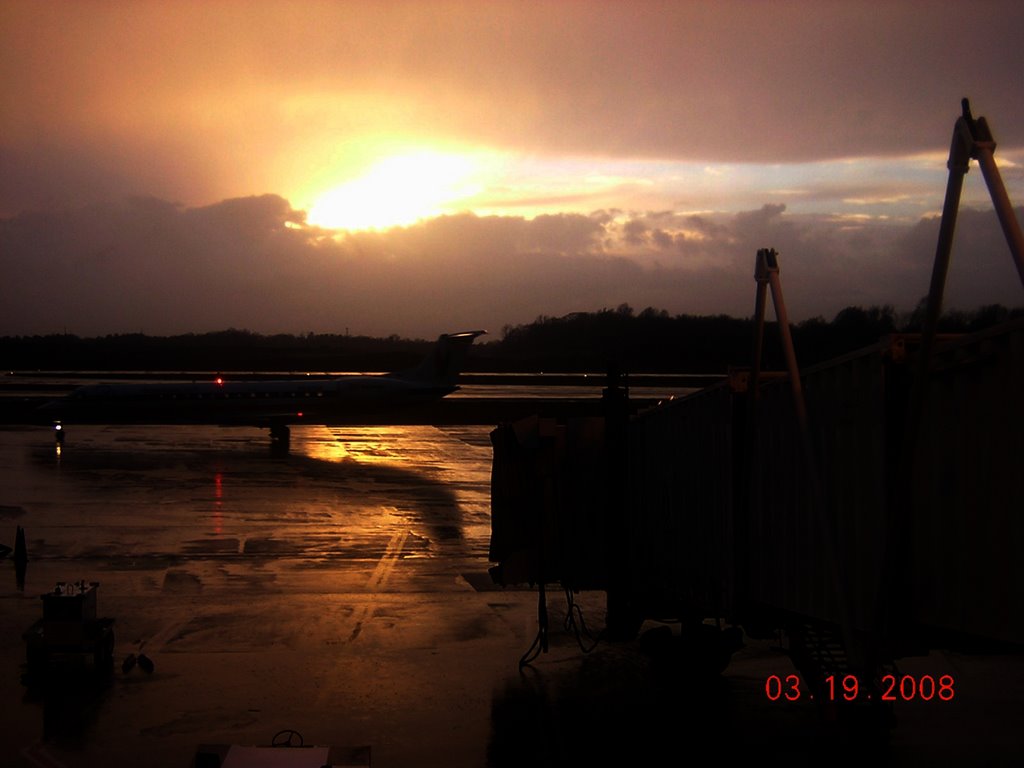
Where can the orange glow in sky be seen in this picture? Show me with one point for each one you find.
(323, 165)
(397, 191)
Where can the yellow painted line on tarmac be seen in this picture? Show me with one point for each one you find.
(382, 572)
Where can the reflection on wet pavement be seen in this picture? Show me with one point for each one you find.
(167, 495)
(342, 591)
(319, 589)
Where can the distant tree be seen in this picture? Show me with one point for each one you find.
(987, 316)
(855, 327)
(914, 322)
(650, 313)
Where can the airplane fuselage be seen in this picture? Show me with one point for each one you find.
(255, 403)
(272, 403)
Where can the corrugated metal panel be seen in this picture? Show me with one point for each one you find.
(968, 519)
(680, 504)
(823, 550)
(796, 563)
(549, 502)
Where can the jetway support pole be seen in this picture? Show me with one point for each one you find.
(982, 148)
(972, 139)
(766, 273)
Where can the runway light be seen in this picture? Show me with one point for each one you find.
(219, 381)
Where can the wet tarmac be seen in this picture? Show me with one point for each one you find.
(342, 591)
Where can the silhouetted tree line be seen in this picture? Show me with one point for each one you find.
(649, 341)
(654, 341)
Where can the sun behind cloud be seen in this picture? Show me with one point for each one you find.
(397, 191)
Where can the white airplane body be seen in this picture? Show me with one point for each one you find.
(270, 403)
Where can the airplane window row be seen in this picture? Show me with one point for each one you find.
(220, 395)
(244, 395)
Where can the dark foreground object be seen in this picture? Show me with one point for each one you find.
(69, 628)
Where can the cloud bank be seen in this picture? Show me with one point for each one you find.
(202, 101)
(149, 265)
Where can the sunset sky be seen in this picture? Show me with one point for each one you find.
(422, 167)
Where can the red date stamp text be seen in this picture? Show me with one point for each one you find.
(849, 688)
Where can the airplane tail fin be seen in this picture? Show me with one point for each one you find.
(444, 363)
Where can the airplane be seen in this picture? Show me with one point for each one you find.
(270, 403)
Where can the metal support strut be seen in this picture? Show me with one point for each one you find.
(972, 140)
(766, 273)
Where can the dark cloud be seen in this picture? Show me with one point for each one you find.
(149, 265)
(635, 232)
(199, 103)
(739, 81)
(980, 261)
(75, 170)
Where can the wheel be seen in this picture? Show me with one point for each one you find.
(280, 438)
(103, 654)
